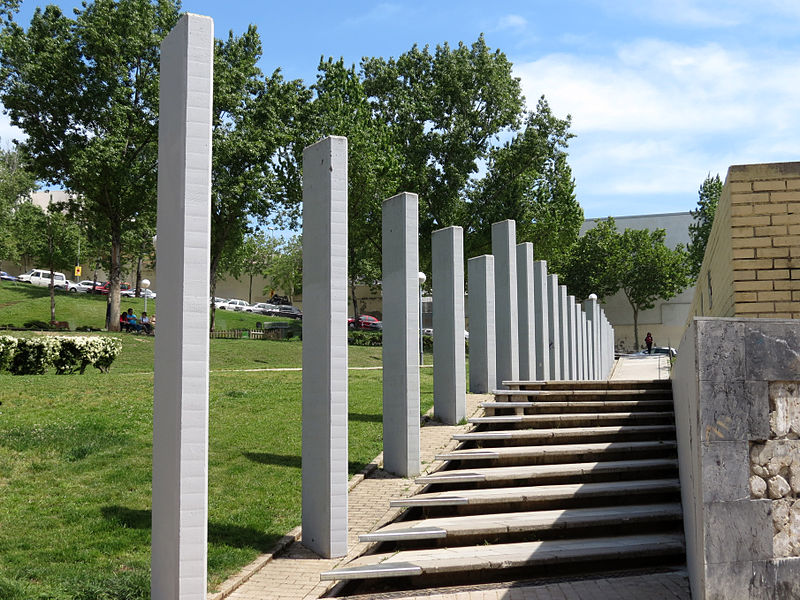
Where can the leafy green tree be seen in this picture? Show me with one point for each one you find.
(590, 267)
(85, 92)
(445, 110)
(16, 184)
(50, 238)
(648, 270)
(254, 166)
(528, 180)
(341, 107)
(253, 258)
(700, 229)
(286, 268)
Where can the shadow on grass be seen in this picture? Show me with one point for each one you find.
(218, 533)
(375, 418)
(281, 460)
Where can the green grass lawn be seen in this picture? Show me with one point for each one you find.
(75, 463)
(22, 302)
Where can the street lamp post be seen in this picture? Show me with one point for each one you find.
(145, 284)
(422, 279)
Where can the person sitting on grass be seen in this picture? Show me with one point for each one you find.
(123, 322)
(133, 322)
(145, 322)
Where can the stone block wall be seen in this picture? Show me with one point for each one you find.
(752, 262)
(736, 385)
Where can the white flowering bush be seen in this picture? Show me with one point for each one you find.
(67, 354)
(8, 345)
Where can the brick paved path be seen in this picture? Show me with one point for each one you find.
(294, 574)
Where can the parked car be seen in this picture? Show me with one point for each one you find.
(658, 350)
(263, 308)
(85, 286)
(216, 301)
(41, 278)
(105, 287)
(148, 293)
(6, 277)
(233, 304)
(365, 322)
(291, 312)
(67, 286)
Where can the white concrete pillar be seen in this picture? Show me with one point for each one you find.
(563, 332)
(449, 360)
(579, 340)
(504, 240)
(324, 514)
(541, 315)
(592, 318)
(553, 324)
(180, 396)
(401, 335)
(586, 345)
(525, 306)
(482, 344)
(572, 353)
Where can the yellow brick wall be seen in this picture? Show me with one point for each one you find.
(753, 254)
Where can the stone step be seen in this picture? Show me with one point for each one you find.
(608, 384)
(546, 395)
(522, 522)
(565, 406)
(538, 493)
(499, 474)
(558, 432)
(505, 556)
(573, 417)
(534, 452)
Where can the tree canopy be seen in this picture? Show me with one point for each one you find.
(709, 193)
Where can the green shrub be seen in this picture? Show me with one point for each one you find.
(365, 338)
(36, 324)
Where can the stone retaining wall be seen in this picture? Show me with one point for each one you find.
(736, 386)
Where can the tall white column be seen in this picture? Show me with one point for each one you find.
(592, 317)
(579, 340)
(482, 348)
(504, 240)
(563, 332)
(449, 360)
(572, 353)
(525, 306)
(554, 319)
(586, 345)
(180, 396)
(541, 314)
(324, 512)
(401, 335)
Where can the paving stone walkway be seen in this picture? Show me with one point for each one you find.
(293, 574)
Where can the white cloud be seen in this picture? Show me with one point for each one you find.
(512, 22)
(655, 117)
(704, 13)
(379, 13)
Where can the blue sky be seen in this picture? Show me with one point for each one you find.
(660, 93)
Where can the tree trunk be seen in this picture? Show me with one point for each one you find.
(250, 291)
(52, 274)
(112, 322)
(356, 318)
(213, 290)
(138, 275)
(636, 327)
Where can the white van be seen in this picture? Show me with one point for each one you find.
(42, 278)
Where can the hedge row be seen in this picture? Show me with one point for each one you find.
(66, 354)
(375, 338)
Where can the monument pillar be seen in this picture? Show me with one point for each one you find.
(504, 240)
(449, 361)
(180, 391)
(324, 511)
(541, 315)
(482, 348)
(401, 335)
(525, 306)
(554, 319)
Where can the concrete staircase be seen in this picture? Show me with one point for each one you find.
(556, 479)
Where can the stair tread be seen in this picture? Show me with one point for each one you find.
(579, 393)
(515, 522)
(593, 383)
(507, 434)
(571, 403)
(553, 450)
(538, 492)
(532, 471)
(499, 556)
(607, 416)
